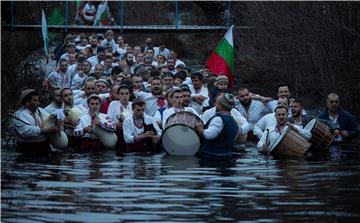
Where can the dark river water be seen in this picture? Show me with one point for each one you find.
(108, 187)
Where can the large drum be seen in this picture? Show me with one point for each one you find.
(321, 137)
(290, 143)
(179, 137)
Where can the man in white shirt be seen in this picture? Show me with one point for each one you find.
(162, 50)
(56, 102)
(154, 100)
(61, 77)
(199, 93)
(87, 123)
(268, 120)
(28, 122)
(271, 134)
(220, 131)
(141, 132)
(176, 96)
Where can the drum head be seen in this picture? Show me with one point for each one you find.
(310, 124)
(278, 140)
(180, 140)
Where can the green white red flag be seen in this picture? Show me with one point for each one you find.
(102, 14)
(221, 60)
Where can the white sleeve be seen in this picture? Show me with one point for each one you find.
(24, 130)
(215, 127)
(259, 127)
(261, 141)
(304, 132)
(79, 129)
(127, 130)
(111, 112)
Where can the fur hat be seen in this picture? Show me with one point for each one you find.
(227, 101)
(221, 78)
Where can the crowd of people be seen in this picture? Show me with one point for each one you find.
(131, 91)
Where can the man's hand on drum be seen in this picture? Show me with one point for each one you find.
(148, 134)
(200, 128)
(265, 148)
(344, 133)
(292, 127)
(155, 138)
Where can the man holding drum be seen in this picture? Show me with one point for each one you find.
(141, 132)
(341, 122)
(90, 141)
(220, 131)
(271, 134)
(176, 95)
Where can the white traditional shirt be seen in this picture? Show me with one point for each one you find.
(58, 79)
(253, 113)
(30, 132)
(52, 108)
(169, 111)
(94, 60)
(265, 122)
(165, 52)
(115, 108)
(244, 126)
(130, 130)
(275, 132)
(78, 81)
(203, 91)
(152, 102)
(111, 43)
(85, 121)
(79, 109)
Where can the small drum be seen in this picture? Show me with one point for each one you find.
(290, 143)
(321, 137)
(179, 137)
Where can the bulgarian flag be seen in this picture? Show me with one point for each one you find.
(102, 14)
(221, 60)
(45, 33)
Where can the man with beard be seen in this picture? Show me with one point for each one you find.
(84, 129)
(297, 117)
(60, 78)
(251, 110)
(28, 122)
(186, 96)
(89, 89)
(56, 102)
(271, 134)
(171, 65)
(70, 115)
(129, 61)
(94, 42)
(98, 58)
(199, 93)
(155, 99)
(341, 122)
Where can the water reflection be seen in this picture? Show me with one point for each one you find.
(109, 187)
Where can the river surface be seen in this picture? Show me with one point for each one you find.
(109, 187)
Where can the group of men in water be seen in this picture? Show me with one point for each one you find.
(132, 92)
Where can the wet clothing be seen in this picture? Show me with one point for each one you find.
(219, 136)
(344, 121)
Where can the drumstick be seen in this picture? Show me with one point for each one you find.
(267, 136)
(14, 117)
(266, 140)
